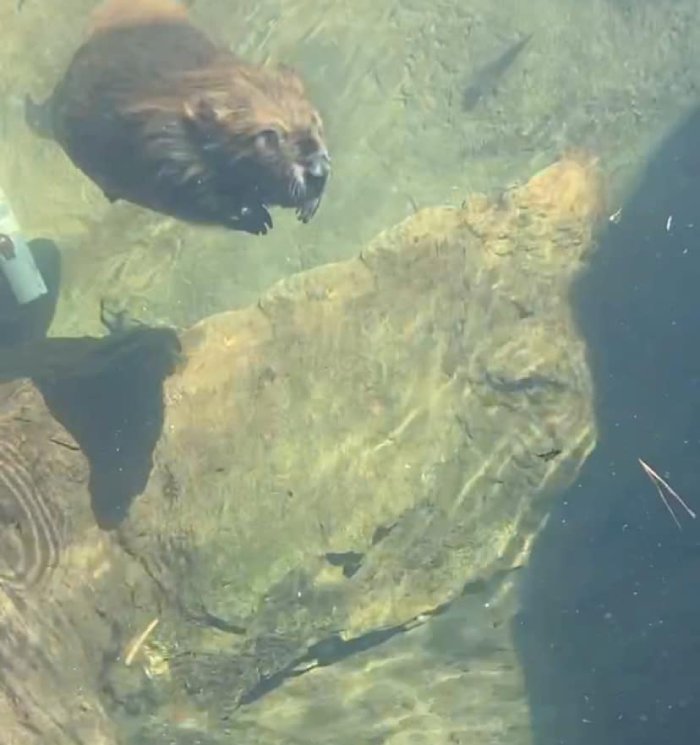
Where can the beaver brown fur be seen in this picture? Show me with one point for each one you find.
(157, 114)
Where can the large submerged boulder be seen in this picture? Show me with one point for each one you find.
(338, 464)
(343, 457)
(57, 614)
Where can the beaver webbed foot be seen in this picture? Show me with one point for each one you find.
(253, 219)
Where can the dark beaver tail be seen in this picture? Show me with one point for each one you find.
(38, 117)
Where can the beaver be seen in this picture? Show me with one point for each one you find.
(157, 114)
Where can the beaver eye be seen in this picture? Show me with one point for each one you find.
(308, 146)
(268, 139)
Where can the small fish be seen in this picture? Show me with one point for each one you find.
(485, 80)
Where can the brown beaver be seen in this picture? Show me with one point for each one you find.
(157, 114)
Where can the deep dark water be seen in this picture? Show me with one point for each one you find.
(609, 635)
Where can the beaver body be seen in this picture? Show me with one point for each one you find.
(157, 114)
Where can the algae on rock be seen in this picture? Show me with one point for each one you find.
(344, 456)
(337, 464)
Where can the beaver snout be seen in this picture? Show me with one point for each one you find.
(318, 166)
(316, 170)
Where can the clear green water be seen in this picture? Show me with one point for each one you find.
(592, 641)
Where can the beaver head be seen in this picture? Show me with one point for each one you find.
(254, 130)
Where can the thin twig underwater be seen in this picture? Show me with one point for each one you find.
(665, 490)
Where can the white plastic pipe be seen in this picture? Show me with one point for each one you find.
(16, 260)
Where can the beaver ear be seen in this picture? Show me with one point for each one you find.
(200, 111)
(292, 78)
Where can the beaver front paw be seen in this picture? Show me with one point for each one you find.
(117, 318)
(253, 219)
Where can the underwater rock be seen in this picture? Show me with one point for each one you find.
(347, 473)
(54, 621)
(338, 461)
(30, 536)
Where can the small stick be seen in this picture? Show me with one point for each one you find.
(660, 485)
(138, 642)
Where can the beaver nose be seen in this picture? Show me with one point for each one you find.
(319, 165)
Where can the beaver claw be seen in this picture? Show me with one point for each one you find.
(253, 219)
(117, 320)
(308, 209)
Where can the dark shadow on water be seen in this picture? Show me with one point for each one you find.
(106, 391)
(608, 634)
(115, 413)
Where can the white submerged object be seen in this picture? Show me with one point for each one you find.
(16, 260)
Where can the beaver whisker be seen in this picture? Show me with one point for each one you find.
(212, 147)
(307, 210)
(166, 172)
(296, 189)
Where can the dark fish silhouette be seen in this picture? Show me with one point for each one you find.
(485, 80)
(30, 537)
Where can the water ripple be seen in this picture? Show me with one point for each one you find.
(29, 533)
